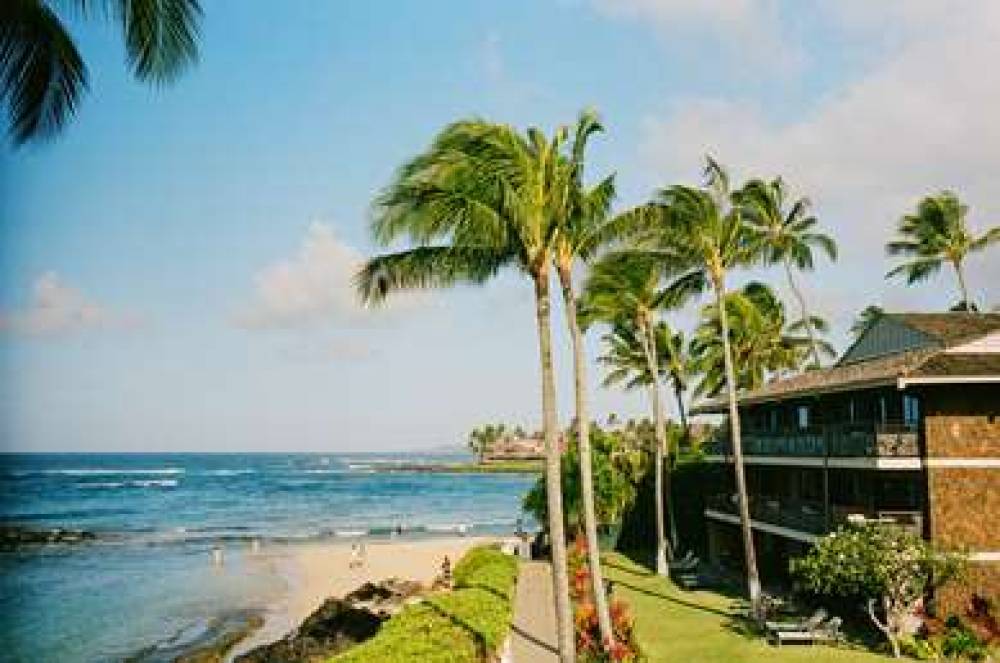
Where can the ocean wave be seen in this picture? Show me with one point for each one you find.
(108, 471)
(138, 483)
(228, 473)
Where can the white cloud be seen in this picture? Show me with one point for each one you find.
(750, 30)
(923, 119)
(56, 309)
(314, 288)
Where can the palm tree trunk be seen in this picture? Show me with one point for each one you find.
(681, 409)
(805, 313)
(753, 580)
(962, 286)
(553, 475)
(661, 440)
(586, 462)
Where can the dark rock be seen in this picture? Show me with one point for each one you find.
(335, 626)
(339, 624)
(14, 537)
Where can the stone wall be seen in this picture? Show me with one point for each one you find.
(980, 579)
(965, 507)
(962, 421)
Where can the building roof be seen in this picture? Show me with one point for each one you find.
(909, 362)
(950, 328)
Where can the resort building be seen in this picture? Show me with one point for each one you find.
(904, 428)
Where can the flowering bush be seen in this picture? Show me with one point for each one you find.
(588, 633)
(879, 564)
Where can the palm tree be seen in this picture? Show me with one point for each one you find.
(483, 197)
(866, 318)
(43, 76)
(623, 289)
(701, 235)
(762, 344)
(583, 230)
(789, 235)
(936, 234)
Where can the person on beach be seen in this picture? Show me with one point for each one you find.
(355, 557)
(446, 571)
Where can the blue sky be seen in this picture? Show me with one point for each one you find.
(174, 268)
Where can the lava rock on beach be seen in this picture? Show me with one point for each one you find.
(339, 624)
(14, 537)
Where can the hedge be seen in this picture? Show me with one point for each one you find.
(465, 625)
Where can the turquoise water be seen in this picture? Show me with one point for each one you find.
(148, 576)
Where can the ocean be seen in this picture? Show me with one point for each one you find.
(147, 578)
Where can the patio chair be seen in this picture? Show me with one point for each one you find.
(689, 562)
(809, 624)
(826, 632)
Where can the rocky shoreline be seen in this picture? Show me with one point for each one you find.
(16, 537)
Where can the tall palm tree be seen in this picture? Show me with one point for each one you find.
(788, 232)
(483, 197)
(701, 235)
(624, 289)
(582, 232)
(762, 344)
(42, 74)
(937, 233)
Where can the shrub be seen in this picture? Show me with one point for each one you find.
(466, 625)
(881, 564)
(589, 647)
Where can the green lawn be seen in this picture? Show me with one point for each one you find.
(677, 626)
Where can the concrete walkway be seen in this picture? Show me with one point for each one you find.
(533, 634)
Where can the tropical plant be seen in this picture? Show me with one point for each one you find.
(483, 197)
(42, 74)
(762, 344)
(616, 476)
(699, 234)
(788, 232)
(866, 318)
(623, 290)
(583, 230)
(878, 564)
(935, 234)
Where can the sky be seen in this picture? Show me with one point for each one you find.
(175, 268)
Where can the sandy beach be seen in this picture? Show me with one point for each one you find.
(318, 571)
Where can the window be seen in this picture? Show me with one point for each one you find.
(911, 410)
(802, 416)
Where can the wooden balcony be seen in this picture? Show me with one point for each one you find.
(812, 517)
(892, 440)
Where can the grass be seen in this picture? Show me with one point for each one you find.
(677, 626)
(465, 625)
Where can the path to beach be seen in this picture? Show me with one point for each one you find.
(534, 630)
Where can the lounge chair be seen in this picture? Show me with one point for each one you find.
(826, 632)
(689, 562)
(801, 625)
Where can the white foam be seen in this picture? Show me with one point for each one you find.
(100, 471)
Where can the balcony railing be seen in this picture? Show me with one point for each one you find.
(811, 517)
(841, 440)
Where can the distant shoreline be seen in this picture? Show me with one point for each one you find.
(494, 467)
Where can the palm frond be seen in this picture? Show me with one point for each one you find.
(41, 72)
(160, 36)
(427, 267)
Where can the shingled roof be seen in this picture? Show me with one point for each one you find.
(950, 328)
(932, 361)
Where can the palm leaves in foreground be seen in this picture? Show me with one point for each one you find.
(481, 197)
(935, 234)
(42, 74)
